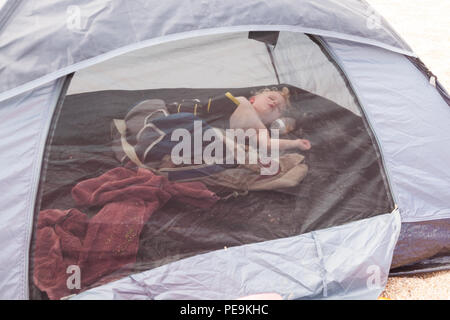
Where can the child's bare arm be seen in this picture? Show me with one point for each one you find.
(245, 118)
(301, 144)
(285, 144)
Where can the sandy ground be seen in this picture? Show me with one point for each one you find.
(426, 286)
(425, 26)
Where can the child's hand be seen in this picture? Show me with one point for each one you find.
(303, 144)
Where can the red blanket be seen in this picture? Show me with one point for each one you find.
(110, 239)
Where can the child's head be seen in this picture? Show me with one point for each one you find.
(270, 104)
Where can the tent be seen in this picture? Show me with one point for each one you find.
(371, 197)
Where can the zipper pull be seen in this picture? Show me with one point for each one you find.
(433, 81)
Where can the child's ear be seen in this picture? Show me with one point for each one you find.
(252, 100)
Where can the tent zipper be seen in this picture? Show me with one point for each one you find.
(319, 41)
(431, 77)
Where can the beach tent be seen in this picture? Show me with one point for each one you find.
(370, 198)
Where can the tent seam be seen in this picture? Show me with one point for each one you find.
(323, 271)
(7, 11)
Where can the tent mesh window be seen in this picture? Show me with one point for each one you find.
(104, 213)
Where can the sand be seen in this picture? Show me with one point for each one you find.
(426, 286)
(424, 25)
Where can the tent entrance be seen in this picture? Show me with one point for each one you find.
(112, 218)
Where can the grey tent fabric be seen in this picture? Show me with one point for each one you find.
(25, 123)
(91, 31)
(411, 121)
(345, 262)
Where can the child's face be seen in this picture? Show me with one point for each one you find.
(269, 105)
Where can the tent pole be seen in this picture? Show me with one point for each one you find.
(272, 59)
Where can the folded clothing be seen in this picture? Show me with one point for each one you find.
(109, 240)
